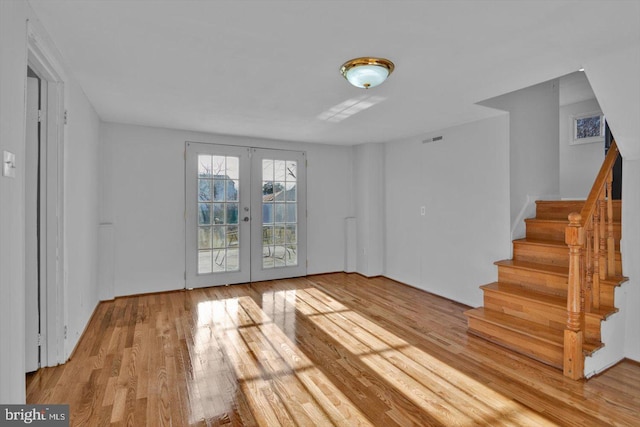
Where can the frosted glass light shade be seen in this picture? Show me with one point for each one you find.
(366, 76)
(367, 72)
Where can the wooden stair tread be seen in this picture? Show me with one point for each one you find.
(555, 220)
(561, 202)
(542, 242)
(558, 302)
(534, 266)
(559, 270)
(546, 242)
(547, 334)
(521, 291)
(557, 209)
(552, 336)
(552, 244)
(562, 208)
(615, 280)
(548, 220)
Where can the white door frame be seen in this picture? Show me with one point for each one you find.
(52, 300)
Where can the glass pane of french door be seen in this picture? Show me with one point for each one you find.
(278, 244)
(217, 215)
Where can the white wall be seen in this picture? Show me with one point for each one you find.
(80, 148)
(630, 248)
(534, 150)
(580, 163)
(404, 194)
(143, 197)
(13, 65)
(463, 182)
(615, 82)
(369, 197)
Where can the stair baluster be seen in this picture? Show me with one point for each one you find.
(602, 225)
(611, 254)
(591, 260)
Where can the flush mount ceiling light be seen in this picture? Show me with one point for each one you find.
(367, 72)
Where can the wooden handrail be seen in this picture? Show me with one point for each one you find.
(600, 182)
(589, 236)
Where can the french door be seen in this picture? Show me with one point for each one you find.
(279, 203)
(245, 214)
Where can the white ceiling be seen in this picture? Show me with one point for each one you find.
(271, 68)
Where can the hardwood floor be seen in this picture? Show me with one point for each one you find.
(334, 349)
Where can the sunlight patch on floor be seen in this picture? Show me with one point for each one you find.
(280, 381)
(428, 382)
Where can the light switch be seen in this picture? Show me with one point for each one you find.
(9, 164)
(423, 210)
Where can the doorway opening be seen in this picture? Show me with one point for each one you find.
(44, 213)
(33, 184)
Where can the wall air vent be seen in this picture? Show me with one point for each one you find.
(434, 139)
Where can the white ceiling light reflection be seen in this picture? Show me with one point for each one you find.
(348, 108)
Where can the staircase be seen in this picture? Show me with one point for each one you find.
(551, 298)
(526, 309)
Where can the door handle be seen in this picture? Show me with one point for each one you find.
(245, 219)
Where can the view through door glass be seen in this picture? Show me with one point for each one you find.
(279, 213)
(218, 186)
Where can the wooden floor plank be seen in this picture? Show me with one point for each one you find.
(335, 349)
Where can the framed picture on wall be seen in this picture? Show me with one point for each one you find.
(587, 128)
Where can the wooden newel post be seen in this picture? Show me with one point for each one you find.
(573, 336)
